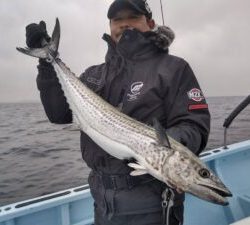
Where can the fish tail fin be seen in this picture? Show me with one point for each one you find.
(49, 50)
(41, 53)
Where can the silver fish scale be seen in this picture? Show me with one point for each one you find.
(101, 116)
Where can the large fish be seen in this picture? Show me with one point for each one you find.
(125, 138)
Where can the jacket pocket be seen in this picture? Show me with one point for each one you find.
(139, 200)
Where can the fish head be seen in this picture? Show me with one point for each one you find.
(189, 174)
(206, 185)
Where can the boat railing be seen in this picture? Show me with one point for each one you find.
(232, 116)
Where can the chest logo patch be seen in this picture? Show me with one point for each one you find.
(195, 94)
(135, 90)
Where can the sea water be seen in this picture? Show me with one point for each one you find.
(37, 157)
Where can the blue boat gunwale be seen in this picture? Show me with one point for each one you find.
(43, 202)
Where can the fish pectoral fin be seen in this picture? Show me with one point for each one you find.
(78, 125)
(161, 133)
(138, 172)
(72, 127)
(76, 120)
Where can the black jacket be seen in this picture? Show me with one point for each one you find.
(143, 82)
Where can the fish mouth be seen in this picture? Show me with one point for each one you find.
(215, 194)
(222, 192)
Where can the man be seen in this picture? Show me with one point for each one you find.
(143, 81)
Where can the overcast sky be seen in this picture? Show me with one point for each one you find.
(212, 35)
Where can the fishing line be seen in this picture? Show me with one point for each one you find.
(162, 14)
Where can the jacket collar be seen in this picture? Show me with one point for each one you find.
(132, 45)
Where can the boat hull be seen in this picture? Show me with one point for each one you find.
(75, 206)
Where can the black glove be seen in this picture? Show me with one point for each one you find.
(35, 33)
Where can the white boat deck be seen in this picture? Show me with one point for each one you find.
(245, 221)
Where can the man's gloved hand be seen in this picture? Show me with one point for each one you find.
(35, 33)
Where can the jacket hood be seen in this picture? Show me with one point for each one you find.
(162, 36)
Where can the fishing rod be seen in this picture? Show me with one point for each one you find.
(162, 14)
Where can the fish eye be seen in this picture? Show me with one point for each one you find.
(204, 173)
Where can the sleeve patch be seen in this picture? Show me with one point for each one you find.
(196, 95)
(197, 106)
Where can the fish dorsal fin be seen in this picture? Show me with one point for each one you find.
(161, 134)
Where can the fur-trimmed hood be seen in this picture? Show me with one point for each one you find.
(162, 36)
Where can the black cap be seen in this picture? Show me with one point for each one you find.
(140, 6)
